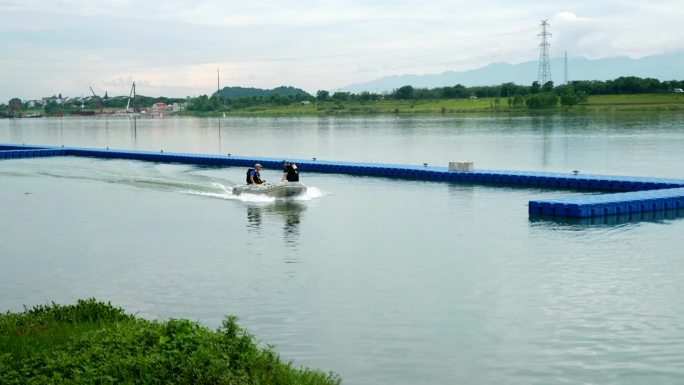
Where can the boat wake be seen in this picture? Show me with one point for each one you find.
(226, 192)
(183, 179)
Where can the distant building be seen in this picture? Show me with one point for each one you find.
(163, 110)
(55, 99)
(158, 106)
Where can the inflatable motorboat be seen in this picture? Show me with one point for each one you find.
(282, 189)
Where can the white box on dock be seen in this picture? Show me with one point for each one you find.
(460, 166)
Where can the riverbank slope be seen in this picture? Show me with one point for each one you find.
(598, 103)
(96, 343)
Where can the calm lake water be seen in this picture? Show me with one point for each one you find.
(383, 281)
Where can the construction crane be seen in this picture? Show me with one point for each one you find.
(100, 105)
(135, 105)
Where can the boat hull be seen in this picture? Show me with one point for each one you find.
(279, 190)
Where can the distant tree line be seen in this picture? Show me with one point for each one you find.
(219, 103)
(244, 92)
(534, 96)
(621, 85)
(239, 97)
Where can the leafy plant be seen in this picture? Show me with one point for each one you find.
(93, 342)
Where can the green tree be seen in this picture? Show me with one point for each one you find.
(581, 96)
(535, 87)
(568, 96)
(569, 99)
(543, 100)
(203, 103)
(404, 93)
(366, 96)
(518, 100)
(457, 91)
(508, 89)
(51, 108)
(341, 96)
(14, 109)
(547, 87)
(322, 95)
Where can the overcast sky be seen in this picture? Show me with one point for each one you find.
(174, 47)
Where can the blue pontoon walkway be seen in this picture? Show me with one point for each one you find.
(630, 195)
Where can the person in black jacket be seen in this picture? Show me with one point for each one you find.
(290, 172)
(253, 176)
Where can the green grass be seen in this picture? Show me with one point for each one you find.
(361, 108)
(95, 343)
(636, 102)
(600, 103)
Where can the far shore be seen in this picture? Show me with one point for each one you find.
(595, 104)
(599, 104)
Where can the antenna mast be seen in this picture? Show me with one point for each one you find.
(566, 67)
(544, 72)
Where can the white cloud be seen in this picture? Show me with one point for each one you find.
(634, 29)
(176, 45)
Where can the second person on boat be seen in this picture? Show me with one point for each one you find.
(290, 172)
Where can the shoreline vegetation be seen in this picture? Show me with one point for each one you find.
(657, 102)
(627, 93)
(594, 104)
(93, 342)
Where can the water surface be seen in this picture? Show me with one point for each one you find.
(384, 281)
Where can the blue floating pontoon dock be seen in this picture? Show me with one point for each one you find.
(587, 206)
(630, 195)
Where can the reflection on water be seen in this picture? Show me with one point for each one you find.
(290, 211)
(253, 217)
(611, 220)
(197, 181)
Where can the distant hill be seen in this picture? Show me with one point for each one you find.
(242, 92)
(662, 67)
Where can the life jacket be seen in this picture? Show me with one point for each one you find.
(292, 173)
(255, 173)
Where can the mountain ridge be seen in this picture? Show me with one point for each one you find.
(663, 67)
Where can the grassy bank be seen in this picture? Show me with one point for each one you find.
(95, 343)
(599, 103)
(672, 102)
(637, 101)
